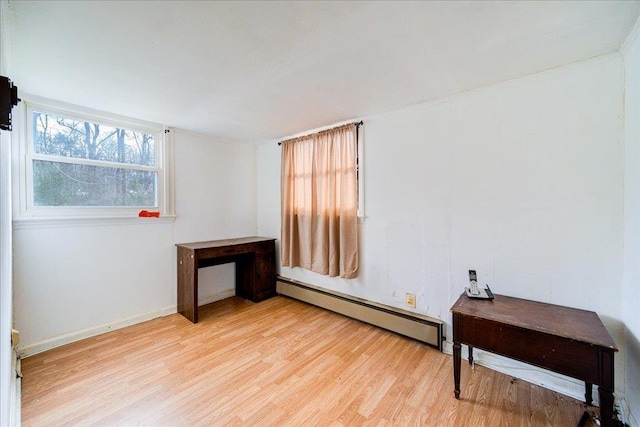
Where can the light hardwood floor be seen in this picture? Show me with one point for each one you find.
(278, 362)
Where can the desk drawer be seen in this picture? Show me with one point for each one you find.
(565, 356)
(216, 252)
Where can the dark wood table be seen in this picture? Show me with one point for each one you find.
(565, 340)
(255, 269)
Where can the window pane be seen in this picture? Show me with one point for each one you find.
(59, 136)
(64, 184)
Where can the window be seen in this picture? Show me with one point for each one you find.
(82, 165)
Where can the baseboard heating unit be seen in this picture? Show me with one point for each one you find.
(422, 328)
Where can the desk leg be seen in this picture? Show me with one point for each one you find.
(588, 393)
(470, 355)
(457, 359)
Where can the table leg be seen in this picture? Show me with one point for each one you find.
(588, 393)
(606, 407)
(457, 359)
(470, 355)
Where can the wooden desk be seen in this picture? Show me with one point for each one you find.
(255, 269)
(566, 340)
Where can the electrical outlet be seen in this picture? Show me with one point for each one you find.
(411, 300)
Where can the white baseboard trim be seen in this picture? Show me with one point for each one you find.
(542, 377)
(15, 401)
(16, 416)
(48, 344)
(625, 414)
(74, 336)
(208, 299)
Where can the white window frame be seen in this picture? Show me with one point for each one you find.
(28, 212)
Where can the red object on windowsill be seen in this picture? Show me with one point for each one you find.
(148, 214)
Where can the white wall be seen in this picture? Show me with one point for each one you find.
(7, 375)
(522, 181)
(631, 284)
(74, 281)
(71, 278)
(8, 389)
(217, 200)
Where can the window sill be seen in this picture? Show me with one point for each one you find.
(55, 222)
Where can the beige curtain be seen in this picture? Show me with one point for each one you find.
(320, 202)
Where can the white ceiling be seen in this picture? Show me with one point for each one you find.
(258, 71)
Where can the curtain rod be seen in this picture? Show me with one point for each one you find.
(358, 124)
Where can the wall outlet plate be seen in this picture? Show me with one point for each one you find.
(411, 300)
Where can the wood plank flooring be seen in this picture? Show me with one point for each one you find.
(278, 362)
